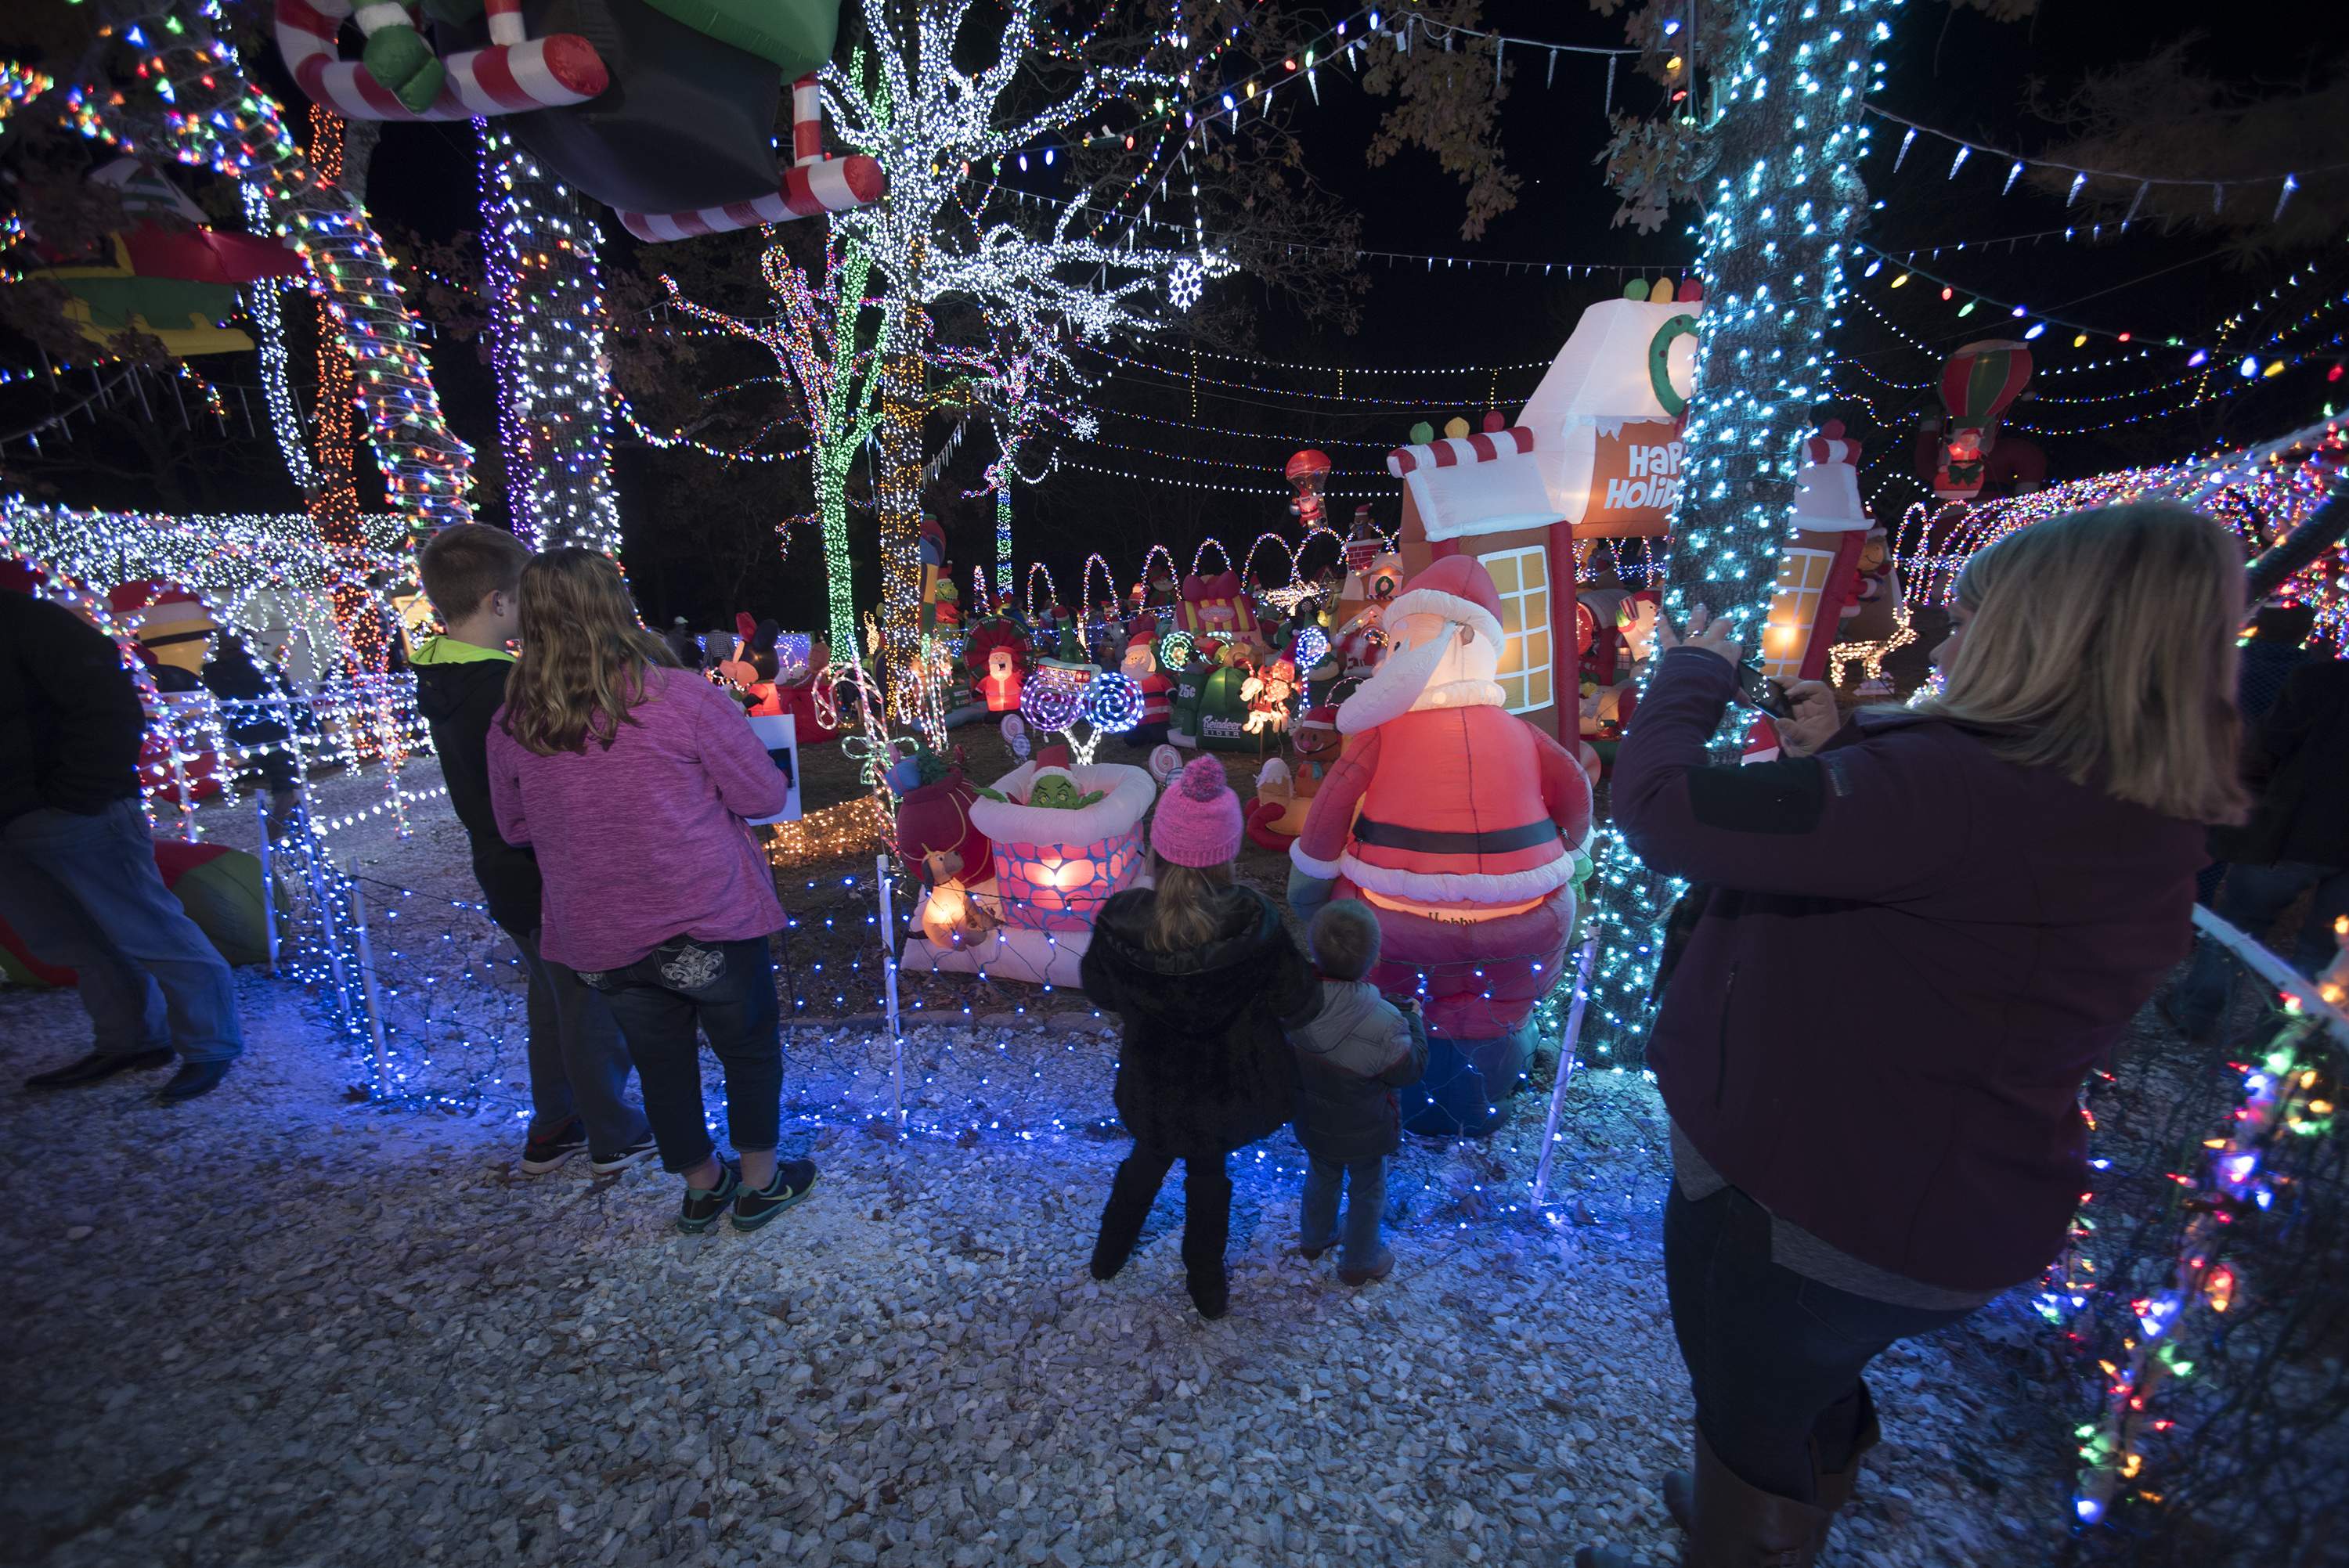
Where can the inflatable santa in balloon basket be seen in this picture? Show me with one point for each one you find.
(1466, 829)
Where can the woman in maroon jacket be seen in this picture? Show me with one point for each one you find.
(1913, 945)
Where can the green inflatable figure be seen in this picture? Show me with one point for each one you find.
(1053, 792)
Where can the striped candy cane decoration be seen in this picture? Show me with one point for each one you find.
(515, 73)
(815, 183)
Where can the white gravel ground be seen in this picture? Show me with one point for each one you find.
(276, 1328)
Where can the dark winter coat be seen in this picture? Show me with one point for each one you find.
(2297, 762)
(1203, 1067)
(1351, 1056)
(1911, 954)
(458, 688)
(245, 688)
(71, 723)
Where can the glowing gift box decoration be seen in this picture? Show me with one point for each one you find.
(1054, 867)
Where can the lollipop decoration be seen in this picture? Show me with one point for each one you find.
(1015, 736)
(1053, 699)
(1111, 706)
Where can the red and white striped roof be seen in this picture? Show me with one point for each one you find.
(1455, 451)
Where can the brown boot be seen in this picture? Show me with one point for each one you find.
(1741, 1526)
(1830, 1488)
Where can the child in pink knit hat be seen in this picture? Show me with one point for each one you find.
(1202, 974)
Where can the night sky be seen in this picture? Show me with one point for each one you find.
(1958, 72)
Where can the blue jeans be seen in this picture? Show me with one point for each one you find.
(1773, 1359)
(728, 988)
(83, 891)
(578, 1063)
(2251, 898)
(1366, 1199)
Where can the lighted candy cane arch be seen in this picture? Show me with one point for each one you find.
(1028, 593)
(1248, 563)
(1085, 582)
(216, 118)
(1200, 554)
(1153, 553)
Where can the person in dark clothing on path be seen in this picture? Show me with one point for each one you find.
(2297, 842)
(2277, 646)
(250, 719)
(1357, 1050)
(1200, 972)
(578, 1061)
(78, 877)
(1850, 1173)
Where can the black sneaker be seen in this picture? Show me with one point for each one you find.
(99, 1066)
(605, 1164)
(700, 1209)
(794, 1179)
(193, 1079)
(540, 1155)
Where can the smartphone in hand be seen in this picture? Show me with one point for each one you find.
(1760, 692)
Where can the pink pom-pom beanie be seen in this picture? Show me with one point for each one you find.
(1199, 819)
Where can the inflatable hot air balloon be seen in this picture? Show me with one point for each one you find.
(1977, 384)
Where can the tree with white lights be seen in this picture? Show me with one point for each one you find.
(949, 231)
(545, 328)
(1773, 160)
(827, 343)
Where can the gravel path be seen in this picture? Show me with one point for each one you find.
(276, 1328)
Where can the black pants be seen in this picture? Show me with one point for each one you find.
(1773, 1359)
(1207, 1206)
(728, 988)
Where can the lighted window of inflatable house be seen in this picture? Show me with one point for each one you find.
(1522, 579)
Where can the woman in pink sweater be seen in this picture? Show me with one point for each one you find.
(631, 780)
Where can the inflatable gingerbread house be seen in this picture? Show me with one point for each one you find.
(1595, 453)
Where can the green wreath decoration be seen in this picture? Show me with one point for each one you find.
(1659, 371)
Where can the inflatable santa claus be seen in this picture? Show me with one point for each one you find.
(1464, 828)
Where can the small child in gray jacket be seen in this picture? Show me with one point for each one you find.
(1352, 1055)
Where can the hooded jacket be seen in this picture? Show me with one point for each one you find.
(1912, 953)
(1203, 1067)
(1351, 1055)
(460, 687)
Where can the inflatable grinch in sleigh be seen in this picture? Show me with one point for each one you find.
(664, 109)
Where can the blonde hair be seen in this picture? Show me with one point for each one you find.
(583, 655)
(1184, 913)
(2101, 645)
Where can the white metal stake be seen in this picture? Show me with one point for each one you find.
(310, 849)
(1566, 1042)
(268, 880)
(180, 777)
(367, 982)
(889, 981)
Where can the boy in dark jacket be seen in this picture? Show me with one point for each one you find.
(578, 1063)
(1352, 1055)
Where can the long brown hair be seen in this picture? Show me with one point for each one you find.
(2102, 643)
(583, 655)
(1186, 911)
